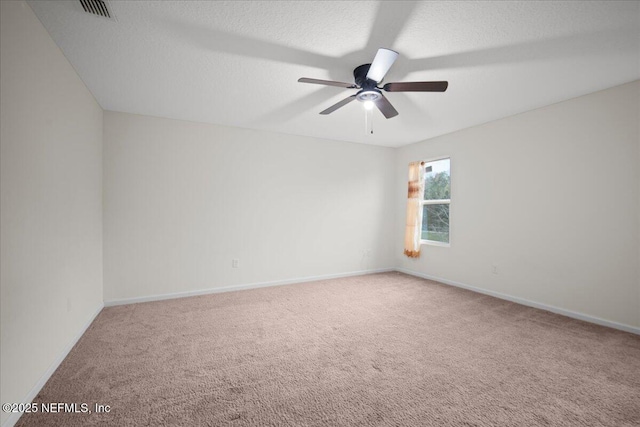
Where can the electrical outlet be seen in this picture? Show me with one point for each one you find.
(494, 269)
(235, 263)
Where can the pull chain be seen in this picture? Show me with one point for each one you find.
(368, 121)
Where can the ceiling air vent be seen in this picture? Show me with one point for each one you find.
(97, 7)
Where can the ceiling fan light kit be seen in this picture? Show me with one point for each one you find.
(368, 77)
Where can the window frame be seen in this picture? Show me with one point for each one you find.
(424, 202)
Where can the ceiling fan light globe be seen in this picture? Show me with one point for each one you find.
(368, 95)
(368, 105)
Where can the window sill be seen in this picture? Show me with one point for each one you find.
(434, 243)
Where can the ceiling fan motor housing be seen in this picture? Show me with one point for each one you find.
(369, 91)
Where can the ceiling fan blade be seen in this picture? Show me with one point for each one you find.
(342, 103)
(385, 107)
(381, 63)
(416, 87)
(327, 83)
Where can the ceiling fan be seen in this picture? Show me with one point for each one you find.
(368, 77)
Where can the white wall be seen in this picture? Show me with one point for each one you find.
(550, 196)
(183, 199)
(50, 202)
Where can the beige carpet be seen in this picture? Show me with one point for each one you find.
(382, 350)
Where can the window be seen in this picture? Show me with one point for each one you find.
(436, 201)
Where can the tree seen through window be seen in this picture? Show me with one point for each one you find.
(436, 201)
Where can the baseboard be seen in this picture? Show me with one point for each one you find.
(551, 308)
(14, 417)
(114, 302)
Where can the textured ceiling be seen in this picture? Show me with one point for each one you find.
(237, 63)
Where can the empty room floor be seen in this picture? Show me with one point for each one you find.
(380, 349)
